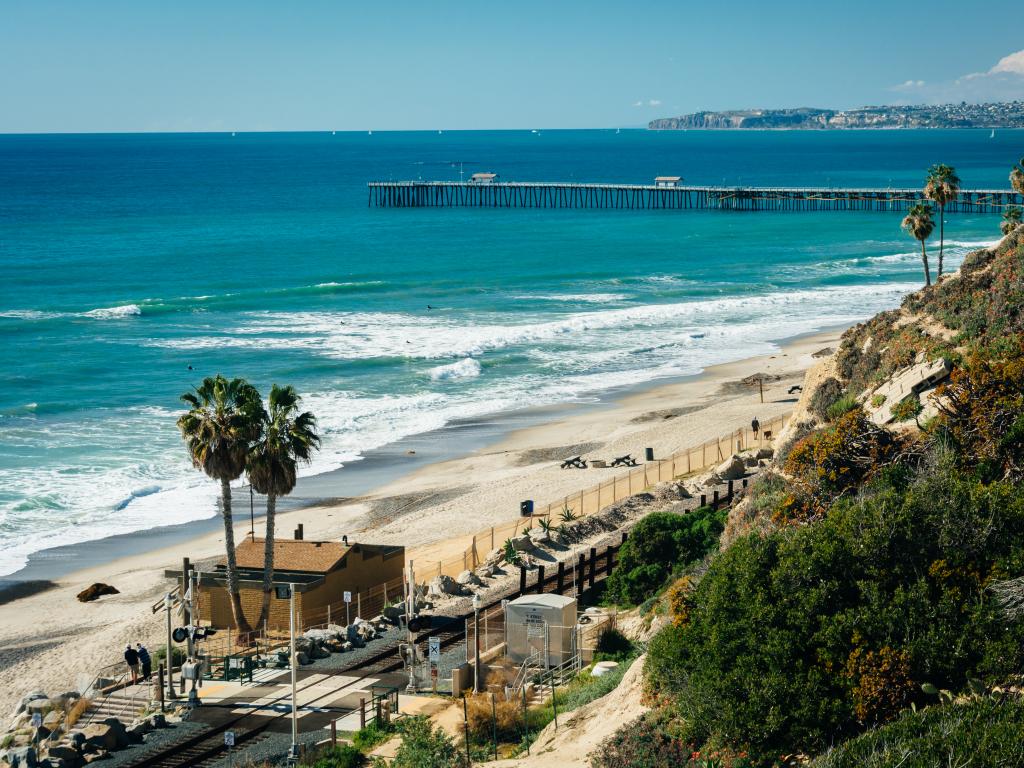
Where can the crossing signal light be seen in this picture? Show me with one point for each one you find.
(181, 634)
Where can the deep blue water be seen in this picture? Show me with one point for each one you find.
(124, 259)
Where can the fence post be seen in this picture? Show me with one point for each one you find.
(593, 567)
(561, 576)
(359, 604)
(522, 580)
(475, 556)
(492, 538)
(362, 713)
(540, 579)
(730, 490)
(703, 499)
(714, 500)
(580, 568)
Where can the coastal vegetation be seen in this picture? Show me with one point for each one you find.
(885, 567)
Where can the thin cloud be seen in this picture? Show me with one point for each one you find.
(1004, 81)
(648, 103)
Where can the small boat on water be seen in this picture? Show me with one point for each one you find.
(993, 134)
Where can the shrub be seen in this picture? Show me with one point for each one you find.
(424, 746)
(481, 718)
(342, 756)
(801, 638)
(824, 396)
(644, 743)
(982, 406)
(841, 407)
(372, 735)
(657, 545)
(908, 408)
(612, 645)
(832, 461)
(979, 732)
(877, 401)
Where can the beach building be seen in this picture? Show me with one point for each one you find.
(483, 178)
(322, 572)
(667, 182)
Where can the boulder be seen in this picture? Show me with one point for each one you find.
(66, 753)
(444, 586)
(468, 578)
(320, 635)
(765, 453)
(53, 719)
(522, 543)
(302, 658)
(303, 645)
(346, 646)
(732, 468)
(319, 652)
(494, 556)
(394, 613)
(158, 720)
(105, 736)
(136, 732)
(22, 757)
(96, 591)
(76, 738)
(484, 572)
(92, 757)
(26, 699)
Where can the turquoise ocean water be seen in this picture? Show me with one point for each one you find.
(125, 259)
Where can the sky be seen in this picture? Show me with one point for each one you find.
(141, 65)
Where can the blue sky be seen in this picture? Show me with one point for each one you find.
(172, 66)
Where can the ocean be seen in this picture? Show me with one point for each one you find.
(133, 265)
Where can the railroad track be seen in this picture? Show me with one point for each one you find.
(205, 748)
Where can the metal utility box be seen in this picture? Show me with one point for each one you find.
(543, 626)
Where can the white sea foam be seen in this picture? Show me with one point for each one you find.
(573, 356)
(109, 313)
(466, 368)
(575, 298)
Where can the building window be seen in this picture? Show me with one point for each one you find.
(281, 592)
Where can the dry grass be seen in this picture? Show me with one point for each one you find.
(77, 710)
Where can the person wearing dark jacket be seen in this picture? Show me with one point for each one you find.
(131, 658)
(145, 661)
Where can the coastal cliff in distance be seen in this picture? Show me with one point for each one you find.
(1009, 114)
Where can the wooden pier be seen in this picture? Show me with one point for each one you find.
(529, 194)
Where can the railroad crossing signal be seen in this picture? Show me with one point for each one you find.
(434, 649)
(229, 738)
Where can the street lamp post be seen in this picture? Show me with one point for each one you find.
(476, 642)
(293, 753)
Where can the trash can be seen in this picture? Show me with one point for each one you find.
(649, 452)
(526, 508)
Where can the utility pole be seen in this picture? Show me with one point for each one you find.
(293, 753)
(410, 616)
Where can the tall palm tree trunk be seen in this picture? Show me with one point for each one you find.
(268, 559)
(942, 237)
(924, 260)
(232, 567)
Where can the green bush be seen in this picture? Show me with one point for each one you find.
(841, 407)
(983, 732)
(372, 735)
(643, 743)
(799, 639)
(827, 393)
(908, 408)
(660, 543)
(342, 756)
(612, 645)
(424, 746)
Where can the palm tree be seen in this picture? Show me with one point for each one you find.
(942, 186)
(1017, 177)
(286, 438)
(219, 426)
(919, 223)
(1011, 219)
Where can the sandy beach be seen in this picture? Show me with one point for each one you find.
(50, 641)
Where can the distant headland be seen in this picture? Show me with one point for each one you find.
(1009, 114)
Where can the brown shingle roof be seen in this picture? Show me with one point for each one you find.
(292, 555)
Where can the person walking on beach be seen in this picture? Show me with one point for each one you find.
(131, 658)
(145, 661)
(756, 426)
